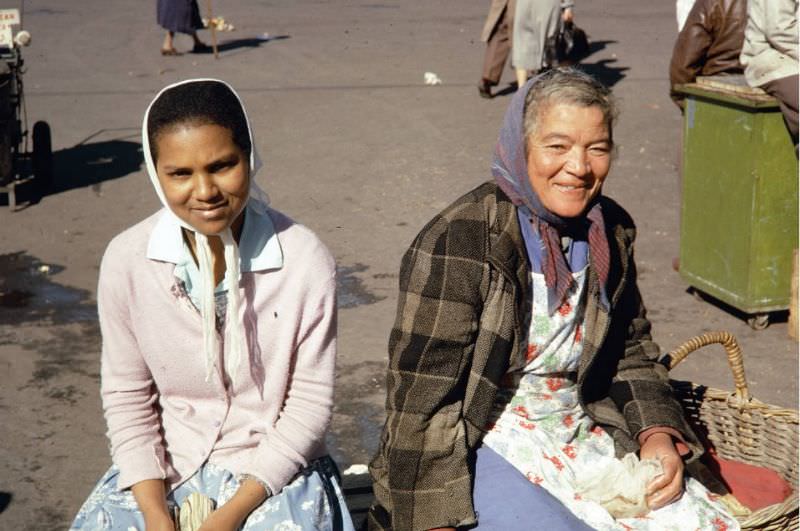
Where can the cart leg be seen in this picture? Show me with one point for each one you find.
(12, 198)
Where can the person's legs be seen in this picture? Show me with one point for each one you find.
(199, 46)
(505, 499)
(785, 91)
(195, 22)
(168, 47)
(497, 51)
(196, 39)
(522, 76)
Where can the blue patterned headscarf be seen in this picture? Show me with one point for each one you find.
(510, 171)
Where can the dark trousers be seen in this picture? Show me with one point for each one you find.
(785, 91)
(498, 48)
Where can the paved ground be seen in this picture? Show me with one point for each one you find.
(356, 147)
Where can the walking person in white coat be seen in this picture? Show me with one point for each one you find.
(536, 24)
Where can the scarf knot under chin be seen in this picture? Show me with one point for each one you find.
(557, 273)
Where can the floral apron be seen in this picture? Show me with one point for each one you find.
(538, 425)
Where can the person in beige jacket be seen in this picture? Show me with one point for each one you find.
(770, 54)
(497, 36)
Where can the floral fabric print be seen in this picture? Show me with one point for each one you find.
(312, 501)
(538, 425)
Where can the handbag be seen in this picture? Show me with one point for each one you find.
(571, 44)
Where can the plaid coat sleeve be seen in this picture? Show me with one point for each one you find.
(421, 473)
(639, 386)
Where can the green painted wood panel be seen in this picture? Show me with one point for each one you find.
(739, 205)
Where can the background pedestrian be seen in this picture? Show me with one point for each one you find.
(180, 16)
(497, 36)
(536, 24)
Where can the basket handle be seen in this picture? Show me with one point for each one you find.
(728, 341)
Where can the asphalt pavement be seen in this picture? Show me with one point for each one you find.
(355, 146)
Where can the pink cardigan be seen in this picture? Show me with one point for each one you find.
(164, 419)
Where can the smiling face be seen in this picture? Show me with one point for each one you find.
(204, 176)
(569, 155)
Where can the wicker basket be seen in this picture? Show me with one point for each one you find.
(743, 429)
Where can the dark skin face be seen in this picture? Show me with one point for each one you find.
(205, 177)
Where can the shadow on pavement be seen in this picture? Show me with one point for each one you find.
(597, 46)
(781, 316)
(86, 164)
(511, 88)
(93, 164)
(250, 42)
(605, 71)
(5, 500)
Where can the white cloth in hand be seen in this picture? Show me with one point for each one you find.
(620, 485)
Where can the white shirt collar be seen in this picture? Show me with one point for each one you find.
(259, 247)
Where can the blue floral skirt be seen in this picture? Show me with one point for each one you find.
(312, 501)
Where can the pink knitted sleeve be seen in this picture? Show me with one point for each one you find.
(126, 384)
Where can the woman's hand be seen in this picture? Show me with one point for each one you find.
(223, 519)
(158, 522)
(668, 487)
(567, 15)
(234, 512)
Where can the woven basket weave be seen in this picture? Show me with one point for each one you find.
(742, 428)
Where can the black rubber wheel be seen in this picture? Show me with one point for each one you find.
(6, 156)
(42, 158)
(759, 321)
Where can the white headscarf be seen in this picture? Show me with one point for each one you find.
(235, 339)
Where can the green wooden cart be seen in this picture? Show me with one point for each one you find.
(739, 199)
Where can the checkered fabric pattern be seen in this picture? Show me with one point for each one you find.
(462, 304)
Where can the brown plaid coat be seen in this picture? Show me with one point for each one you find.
(463, 292)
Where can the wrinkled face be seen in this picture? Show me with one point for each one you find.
(569, 156)
(204, 175)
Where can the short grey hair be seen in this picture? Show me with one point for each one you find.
(567, 85)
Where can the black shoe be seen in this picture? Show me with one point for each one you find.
(485, 89)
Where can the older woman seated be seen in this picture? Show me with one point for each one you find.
(521, 358)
